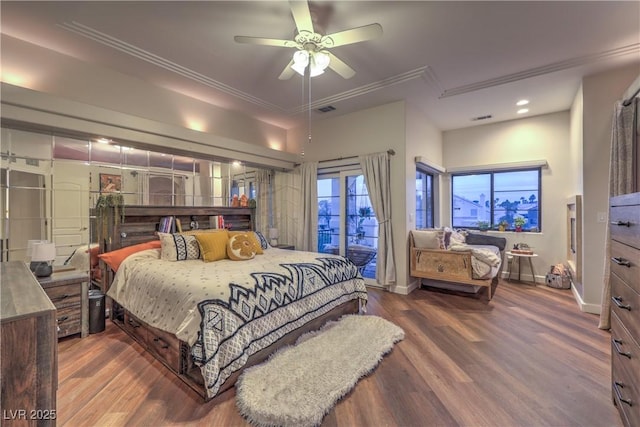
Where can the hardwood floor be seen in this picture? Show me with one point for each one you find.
(527, 358)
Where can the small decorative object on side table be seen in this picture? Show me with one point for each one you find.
(68, 290)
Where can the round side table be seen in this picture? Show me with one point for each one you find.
(519, 257)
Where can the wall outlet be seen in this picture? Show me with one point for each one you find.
(602, 217)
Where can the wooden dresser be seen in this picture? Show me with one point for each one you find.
(68, 290)
(625, 307)
(29, 354)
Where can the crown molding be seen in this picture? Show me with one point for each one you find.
(542, 70)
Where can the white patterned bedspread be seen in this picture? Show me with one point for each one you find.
(228, 310)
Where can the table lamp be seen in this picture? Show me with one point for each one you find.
(273, 236)
(42, 254)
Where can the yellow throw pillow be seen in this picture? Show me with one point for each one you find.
(240, 247)
(213, 246)
(257, 247)
(203, 230)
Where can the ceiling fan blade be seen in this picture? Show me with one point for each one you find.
(354, 35)
(337, 65)
(264, 42)
(288, 72)
(302, 16)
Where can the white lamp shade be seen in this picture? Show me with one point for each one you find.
(43, 252)
(273, 233)
(31, 244)
(317, 62)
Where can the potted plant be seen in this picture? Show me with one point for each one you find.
(483, 225)
(502, 225)
(519, 221)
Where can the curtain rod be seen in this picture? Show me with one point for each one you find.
(627, 101)
(390, 151)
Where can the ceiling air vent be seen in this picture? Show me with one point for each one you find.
(475, 119)
(326, 109)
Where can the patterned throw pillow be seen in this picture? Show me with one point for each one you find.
(264, 244)
(213, 246)
(179, 247)
(253, 237)
(240, 247)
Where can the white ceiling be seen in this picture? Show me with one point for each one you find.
(452, 60)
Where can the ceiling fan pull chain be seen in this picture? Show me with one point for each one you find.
(309, 108)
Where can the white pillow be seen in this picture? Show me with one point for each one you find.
(428, 239)
(179, 247)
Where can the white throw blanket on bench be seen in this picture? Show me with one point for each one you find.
(484, 261)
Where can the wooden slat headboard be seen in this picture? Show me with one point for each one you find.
(138, 224)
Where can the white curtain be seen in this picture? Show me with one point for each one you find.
(263, 200)
(623, 134)
(307, 235)
(286, 211)
(376, 171)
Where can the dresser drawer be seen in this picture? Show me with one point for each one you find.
(64, 296)
(69, 320)
(625, 224)
(625, 304)
(625, 263)
(166, 346)
(625, 373)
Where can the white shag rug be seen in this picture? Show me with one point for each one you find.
(300, 384)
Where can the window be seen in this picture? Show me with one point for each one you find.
(424, 200)
(346, 221)
(496, 197)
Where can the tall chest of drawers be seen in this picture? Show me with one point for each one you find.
(625, 307)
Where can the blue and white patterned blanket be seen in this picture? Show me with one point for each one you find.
(229, 310)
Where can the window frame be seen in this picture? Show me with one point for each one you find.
(432, 200)
(492, 174)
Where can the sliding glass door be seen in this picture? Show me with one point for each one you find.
(346, 221)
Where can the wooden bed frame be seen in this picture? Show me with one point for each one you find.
(447, 266)
(139, 224)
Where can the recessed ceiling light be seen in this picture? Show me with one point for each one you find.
(522, 102)
(523, 110)
(103, 140)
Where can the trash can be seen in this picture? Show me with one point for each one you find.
(96, 311)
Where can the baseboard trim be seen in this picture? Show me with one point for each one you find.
(583, 306)
(405, 290)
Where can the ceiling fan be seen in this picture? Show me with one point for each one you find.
(312, 46)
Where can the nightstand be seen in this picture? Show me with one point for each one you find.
(290, 247)
(68, 291)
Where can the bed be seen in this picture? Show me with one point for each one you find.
(207, 321)
(462, 259)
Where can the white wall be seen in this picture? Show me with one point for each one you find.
(424, 140)
(600, 92)
(545, 137)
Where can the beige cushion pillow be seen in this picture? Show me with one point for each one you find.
(213, 246)
(428, 238)
(240, 247)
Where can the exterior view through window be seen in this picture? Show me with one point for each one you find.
(346, 221)
(491, 199)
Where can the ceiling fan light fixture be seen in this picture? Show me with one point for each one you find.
(317, 62)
